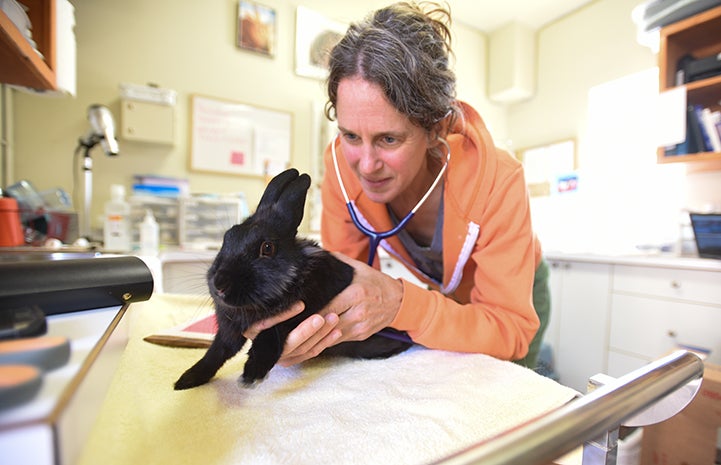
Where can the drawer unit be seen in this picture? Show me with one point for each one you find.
(650, 328)
(203, 220)
(691, 285)
(619, 318)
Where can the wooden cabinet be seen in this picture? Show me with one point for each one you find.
(20, 63)
(698, 36)
(578, 327)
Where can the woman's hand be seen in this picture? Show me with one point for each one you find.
(365, 307)
(260, 326)
(304, 338)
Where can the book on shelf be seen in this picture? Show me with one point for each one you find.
(711, 123)
(703, 132)
(697, 130)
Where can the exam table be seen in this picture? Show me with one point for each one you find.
(422, 406)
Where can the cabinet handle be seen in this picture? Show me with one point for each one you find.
(675, 284)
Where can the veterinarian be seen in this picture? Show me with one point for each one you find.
(409, 153)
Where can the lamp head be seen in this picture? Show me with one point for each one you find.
(102, 129)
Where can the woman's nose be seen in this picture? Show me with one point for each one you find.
(369, 160)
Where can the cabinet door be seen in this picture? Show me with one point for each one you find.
(555, 284)
(581, 307)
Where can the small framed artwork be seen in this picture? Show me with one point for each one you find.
(550, 168)
(315, 36)
(256, 27)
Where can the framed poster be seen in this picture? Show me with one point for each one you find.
(550, 169)
(234, 138)
(256, 27)
(315, 36)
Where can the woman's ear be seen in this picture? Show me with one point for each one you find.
(441, 128)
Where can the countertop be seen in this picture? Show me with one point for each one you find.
(657, 260)
(173, 254)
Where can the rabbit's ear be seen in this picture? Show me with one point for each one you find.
(275, 188)
(291, 204)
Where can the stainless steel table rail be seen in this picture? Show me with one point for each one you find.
(587, 419)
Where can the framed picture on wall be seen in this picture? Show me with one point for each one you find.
(550, 169)
(256, 27)
(315, 36)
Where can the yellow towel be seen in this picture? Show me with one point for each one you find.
(410, 409)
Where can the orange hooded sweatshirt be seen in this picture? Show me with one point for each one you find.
(490, 253)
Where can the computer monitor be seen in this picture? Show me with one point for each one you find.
(707, 233)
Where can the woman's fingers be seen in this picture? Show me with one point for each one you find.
(256, 328)
(310, 338)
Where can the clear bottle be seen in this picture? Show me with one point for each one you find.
(149, 234)
(116, 230)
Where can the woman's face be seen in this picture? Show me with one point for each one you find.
(384, 148)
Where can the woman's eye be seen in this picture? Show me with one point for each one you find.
(389, 140)
(267, 249)
(350, 137)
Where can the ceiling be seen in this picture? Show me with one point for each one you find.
(488, 15)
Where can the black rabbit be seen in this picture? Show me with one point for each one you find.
(260, 270)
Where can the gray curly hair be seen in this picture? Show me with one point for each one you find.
(404, 48)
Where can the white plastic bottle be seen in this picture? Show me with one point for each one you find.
(116, 230)
(149, 234)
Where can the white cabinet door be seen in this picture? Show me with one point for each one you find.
(555, 284)
(580, 310)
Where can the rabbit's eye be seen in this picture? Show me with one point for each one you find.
(267, 249)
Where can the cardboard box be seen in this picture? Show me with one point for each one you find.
(692, 436)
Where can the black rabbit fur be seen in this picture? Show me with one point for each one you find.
(261, 269)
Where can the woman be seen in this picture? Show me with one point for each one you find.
(404, 136)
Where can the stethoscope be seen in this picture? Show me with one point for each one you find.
(374, 236)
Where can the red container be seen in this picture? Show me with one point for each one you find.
(11, 230)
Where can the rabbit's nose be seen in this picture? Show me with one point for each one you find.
(222, 284)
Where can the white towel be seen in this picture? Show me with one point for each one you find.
(413, 408)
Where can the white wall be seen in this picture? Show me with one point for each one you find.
(624, 198)
(187, 46)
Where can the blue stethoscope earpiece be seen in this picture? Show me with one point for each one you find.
(375, 237)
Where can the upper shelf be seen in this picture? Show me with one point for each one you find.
(20, 63)
(697, 36)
